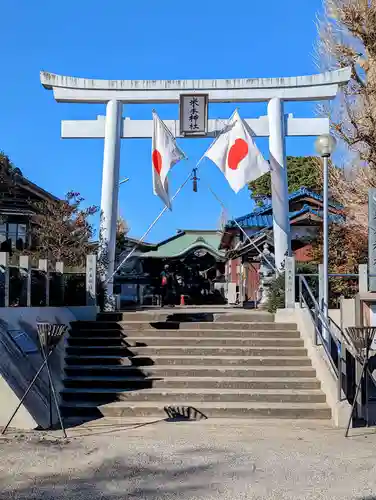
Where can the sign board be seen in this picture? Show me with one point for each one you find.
(193, 114)
(23, 341)
(91, 280)
(290, 282)
(200, 252)
(231, 293)
(372, 239)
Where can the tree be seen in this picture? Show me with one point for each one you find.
(8, 174)
(7, 164)
(301, 171)
(122, 229)
(347, 38)
(348, 247)
(62, 231)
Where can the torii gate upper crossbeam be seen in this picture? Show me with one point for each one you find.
(298, 88)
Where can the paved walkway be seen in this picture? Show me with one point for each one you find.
(200, 460)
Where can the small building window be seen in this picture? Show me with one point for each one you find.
(13, 235)
(3, 233)
(21, 236)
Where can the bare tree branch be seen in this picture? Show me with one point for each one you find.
(347, 37)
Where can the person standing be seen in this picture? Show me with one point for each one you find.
(166, 286)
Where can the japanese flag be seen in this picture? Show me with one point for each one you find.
(236, 155)
(165, 153)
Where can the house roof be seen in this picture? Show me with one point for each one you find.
(266, 221)
(255, 241)
(136, 241)
(26, 184)
(30, 186)
(187, 241)
(265, 230)
(260, 218)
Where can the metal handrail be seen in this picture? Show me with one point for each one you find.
(344, 335)
(318, 315)
(335, 275)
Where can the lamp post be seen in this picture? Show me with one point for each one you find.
(123, 181)
(325, 145)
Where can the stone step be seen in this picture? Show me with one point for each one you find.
(185, 316)
(196, 410)
(93, 334)
(222, 371)
(249, 358)
(122, 382)
(84, 342)
(145, 325)
(143, 351)
(103, 395)
(132, 342)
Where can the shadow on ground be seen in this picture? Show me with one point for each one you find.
(117, 479)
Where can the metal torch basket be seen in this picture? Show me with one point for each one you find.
(361, 338)
(49, 335)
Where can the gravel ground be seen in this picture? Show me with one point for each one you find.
(199, 460)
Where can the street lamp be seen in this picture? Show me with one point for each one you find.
(325, 145)
(123, 181)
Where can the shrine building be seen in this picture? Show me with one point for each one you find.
(305, 214)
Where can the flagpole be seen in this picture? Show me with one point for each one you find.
(147, 231)
(241, 229)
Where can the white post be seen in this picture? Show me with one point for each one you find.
(91, 280)
(4, 278)
(43, 266)
(290, 283)
(60, 275)
(25, 271)
(363, 278)
(110, 190)
(278, 166)
(326, 239)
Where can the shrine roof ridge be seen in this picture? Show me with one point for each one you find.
(255, 220)
(303, 191)
(51, 80)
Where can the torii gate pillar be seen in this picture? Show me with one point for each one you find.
(110, 191)
(278, 167)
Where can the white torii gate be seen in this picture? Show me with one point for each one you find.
(276, 126)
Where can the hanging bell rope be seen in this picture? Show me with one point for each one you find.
(195, 179)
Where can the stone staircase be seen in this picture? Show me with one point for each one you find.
(228, 364)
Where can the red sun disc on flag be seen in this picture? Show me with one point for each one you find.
(237, 153)
(157, 161)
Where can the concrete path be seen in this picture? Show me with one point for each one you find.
(201, 460)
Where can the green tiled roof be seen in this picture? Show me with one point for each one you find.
(187, 241)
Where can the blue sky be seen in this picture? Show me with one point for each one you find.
(144, 39)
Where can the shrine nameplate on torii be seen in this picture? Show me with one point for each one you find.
(276, 125)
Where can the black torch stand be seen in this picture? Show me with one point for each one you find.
(362, 338)
(49, 336)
